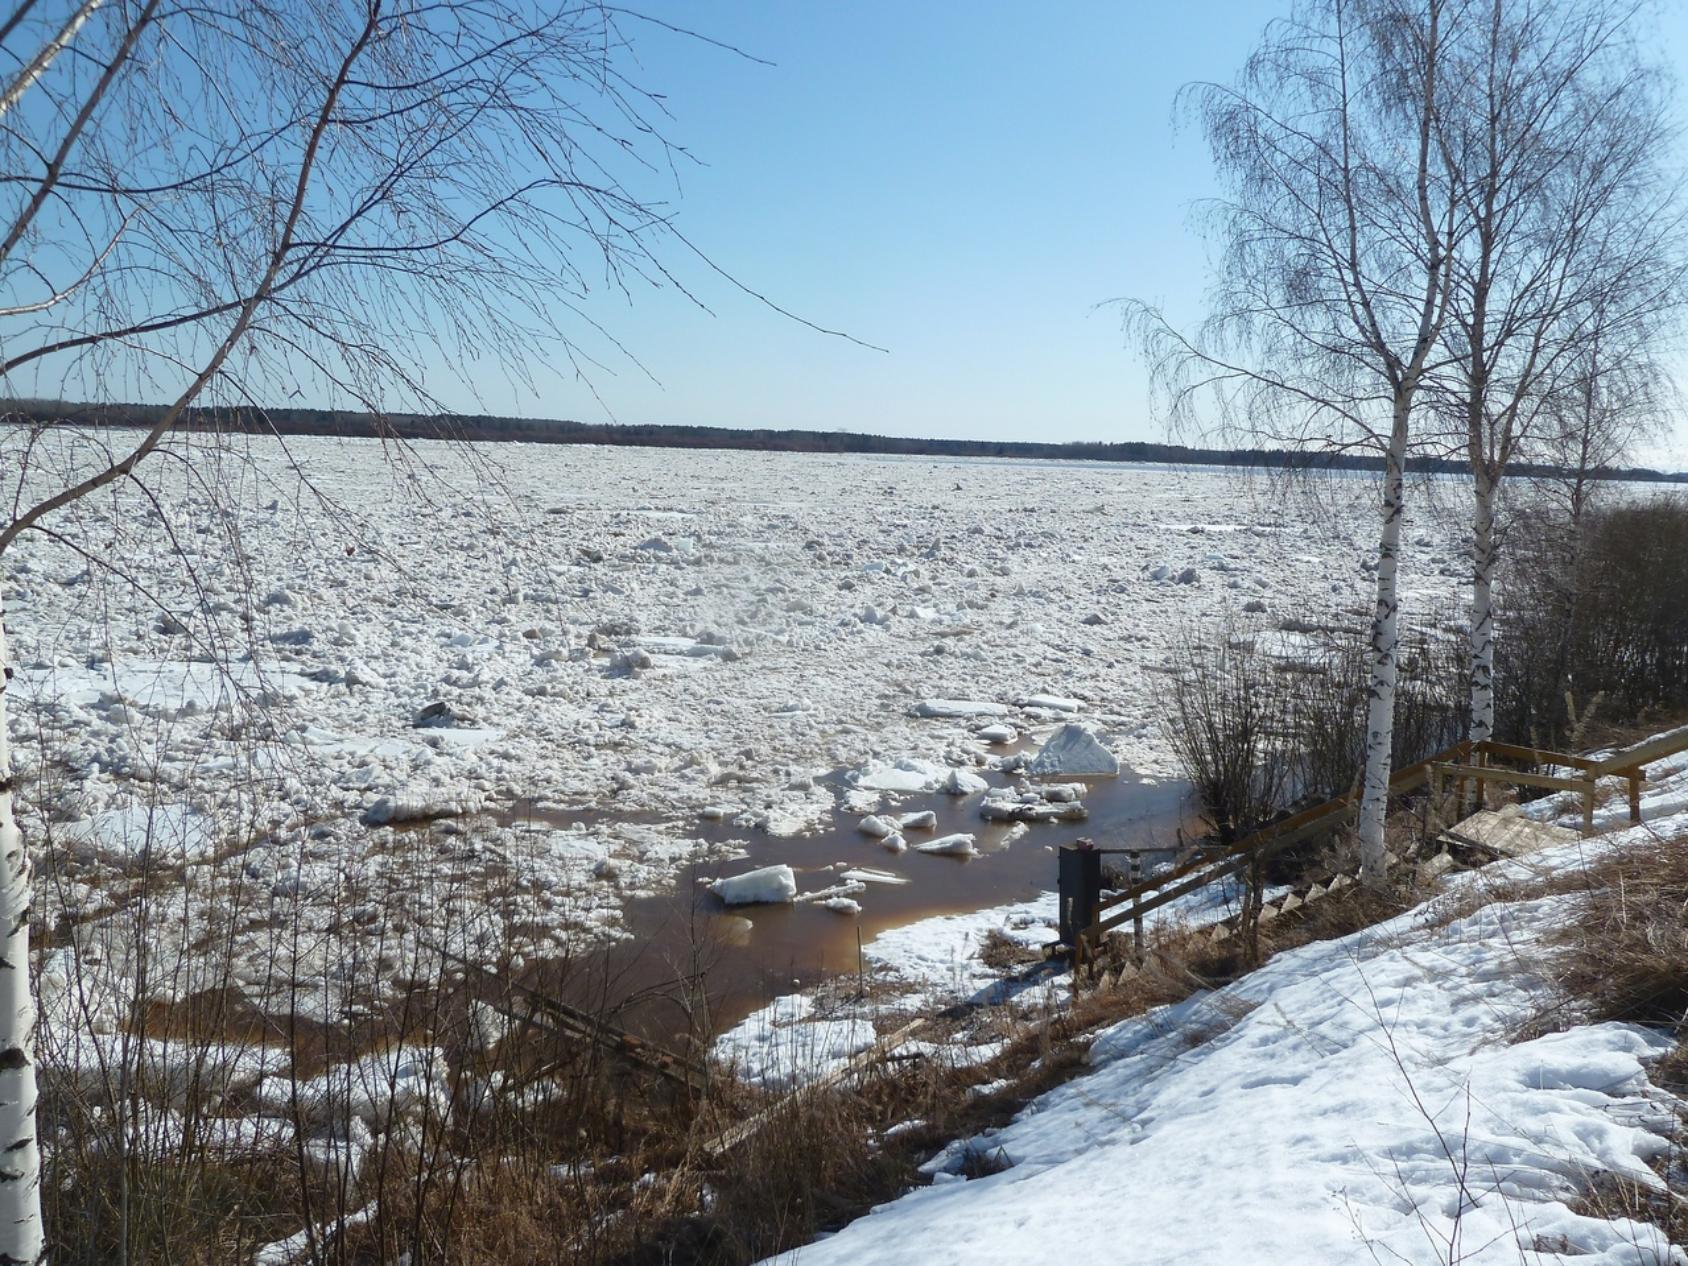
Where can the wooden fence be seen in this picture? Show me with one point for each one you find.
(1086, 915)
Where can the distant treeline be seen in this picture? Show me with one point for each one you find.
(487, 428)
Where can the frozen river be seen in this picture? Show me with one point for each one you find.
(597, 672)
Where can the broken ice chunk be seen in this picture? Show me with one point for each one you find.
(771, 885)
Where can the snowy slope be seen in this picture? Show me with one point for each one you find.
(1357, 1100)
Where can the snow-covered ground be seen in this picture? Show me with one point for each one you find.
(1357, 1100)
(307, 649)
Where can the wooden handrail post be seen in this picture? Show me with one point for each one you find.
(1588, 805)
(1481, 761)
(1635, 777)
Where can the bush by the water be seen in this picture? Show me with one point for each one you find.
(1260, 724)
(1592, 622)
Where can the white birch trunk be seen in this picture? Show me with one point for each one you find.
(1482, 607)
(22, 1242)
(45, 58)
(1385, 647)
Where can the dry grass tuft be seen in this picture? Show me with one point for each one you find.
(1001, 952)
(200, 1212)
(1625, 951)
(1623, 955)
(1616, 1197)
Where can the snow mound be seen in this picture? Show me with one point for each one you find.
(400, 1083)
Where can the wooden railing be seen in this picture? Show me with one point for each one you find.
(1629, 763)
(1086, 915)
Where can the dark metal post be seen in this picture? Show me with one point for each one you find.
(1135, 872)
(1080, 891)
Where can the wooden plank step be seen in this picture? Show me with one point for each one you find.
(1503, 833)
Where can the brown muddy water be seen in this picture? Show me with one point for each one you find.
(749, 955)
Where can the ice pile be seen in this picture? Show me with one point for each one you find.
(1074, 751)
(1029, 802)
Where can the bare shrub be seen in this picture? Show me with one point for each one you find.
(1256, 732)
(1228, 731)
(1328, 710)
(1593, 621)
(1001, 952)
(815, 1166)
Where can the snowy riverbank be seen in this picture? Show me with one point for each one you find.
(1361, 1099)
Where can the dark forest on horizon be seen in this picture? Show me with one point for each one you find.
(486, 428)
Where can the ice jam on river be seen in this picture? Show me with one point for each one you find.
(346, 705)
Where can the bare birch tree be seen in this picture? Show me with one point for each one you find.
(1612, 397)
(227, 203)
(1335, 235)
(1558, 132)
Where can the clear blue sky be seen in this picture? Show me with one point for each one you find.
(958, 182)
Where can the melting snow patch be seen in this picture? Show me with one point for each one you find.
(787, 1042)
